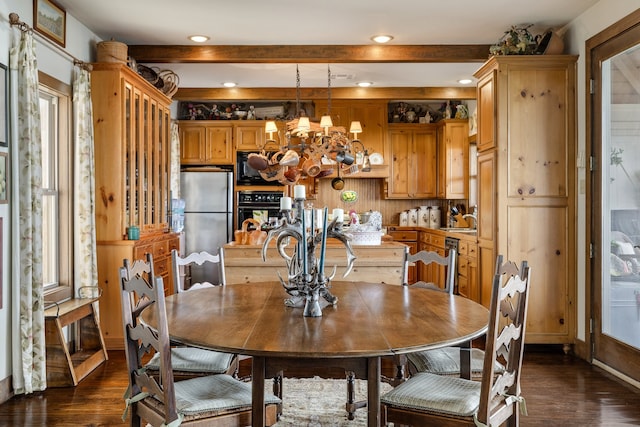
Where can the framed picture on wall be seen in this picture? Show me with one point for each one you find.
(4, 102)
(50, 20)
(3, 179)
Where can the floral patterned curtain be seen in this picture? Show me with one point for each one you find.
(85, 262)
(28, 340)
(175, 161)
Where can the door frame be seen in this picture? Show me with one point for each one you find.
(625, 361)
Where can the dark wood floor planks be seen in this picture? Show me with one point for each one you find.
(560, 390)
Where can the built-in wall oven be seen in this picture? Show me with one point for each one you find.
(256, 203)
(246, 175)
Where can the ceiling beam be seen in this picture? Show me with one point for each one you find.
(308, 53)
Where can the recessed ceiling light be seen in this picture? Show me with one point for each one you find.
(229, 84)
(198, 39)
(383, 38)
(364, 84)
(464, 81)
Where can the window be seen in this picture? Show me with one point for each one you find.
(57, 179)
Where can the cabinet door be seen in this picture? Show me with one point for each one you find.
(453, 160)
(400, 142)
(373, 118)
(422, 164)
(487, 211)
(413, 272)
(486, 112)
(249, 136)
(219, 149)
(192, 143)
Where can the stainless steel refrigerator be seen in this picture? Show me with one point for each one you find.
(208, 215)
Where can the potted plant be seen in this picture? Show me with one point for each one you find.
(516, 41)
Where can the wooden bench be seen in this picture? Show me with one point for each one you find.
(65, 368)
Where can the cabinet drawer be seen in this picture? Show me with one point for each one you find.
(472, 250)
(160, 249)
(173, 244)
(140, 252)
(425, 238)
(437, 241)
(463, 248)
(161, 267)
(402, 236)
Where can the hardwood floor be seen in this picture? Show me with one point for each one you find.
(559, 390)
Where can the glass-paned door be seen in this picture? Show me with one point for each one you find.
(616, 203)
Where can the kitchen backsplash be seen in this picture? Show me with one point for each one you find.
(369, 198)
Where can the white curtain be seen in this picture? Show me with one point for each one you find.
(28, 339)
(85, 258)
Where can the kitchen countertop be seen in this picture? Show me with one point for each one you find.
(469, 236)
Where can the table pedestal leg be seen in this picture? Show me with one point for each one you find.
(373, 391)
(257, 391)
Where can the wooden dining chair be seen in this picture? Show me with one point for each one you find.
(431, 258)
(460, 360)
(430, 399)
(155, 396)
(186, 361)
(427, 258)
(187, 270)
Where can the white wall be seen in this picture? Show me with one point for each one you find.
(80, 43)
(597, 18)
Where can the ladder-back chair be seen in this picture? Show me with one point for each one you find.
(155, 396)
(430, 399)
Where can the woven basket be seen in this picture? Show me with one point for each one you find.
(112, 51)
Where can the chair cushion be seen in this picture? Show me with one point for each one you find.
(191, 359)
(215, 393)
(436, 393)
(446, 361)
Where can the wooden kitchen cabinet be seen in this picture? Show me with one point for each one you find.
(468, 269)
(453, 159)
(131, 121)
(432, 241)
(206, 142)
(410, 238)
(526, 174)
(413, 150)
(372, 116)
(249, 135)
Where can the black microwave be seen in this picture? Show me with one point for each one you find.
(246, 175)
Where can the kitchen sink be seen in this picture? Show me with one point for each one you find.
(459, 229)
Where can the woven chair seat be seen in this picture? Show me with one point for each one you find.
(446, 361)
(211, 396)
(436, 393)
(191, 359)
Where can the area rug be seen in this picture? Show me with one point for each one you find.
(319, 402)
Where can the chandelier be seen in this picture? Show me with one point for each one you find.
(306, 145)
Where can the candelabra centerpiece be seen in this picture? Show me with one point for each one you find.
(307, 282)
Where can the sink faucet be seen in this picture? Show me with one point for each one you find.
(474, 217)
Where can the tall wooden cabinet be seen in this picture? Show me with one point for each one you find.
(413, 150)
(526, 176)
(131, 121)
(453, 159)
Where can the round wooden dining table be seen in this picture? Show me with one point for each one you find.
(369, 321)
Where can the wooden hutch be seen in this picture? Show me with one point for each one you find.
(132, 148)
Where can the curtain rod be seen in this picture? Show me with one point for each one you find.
(14, 21)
